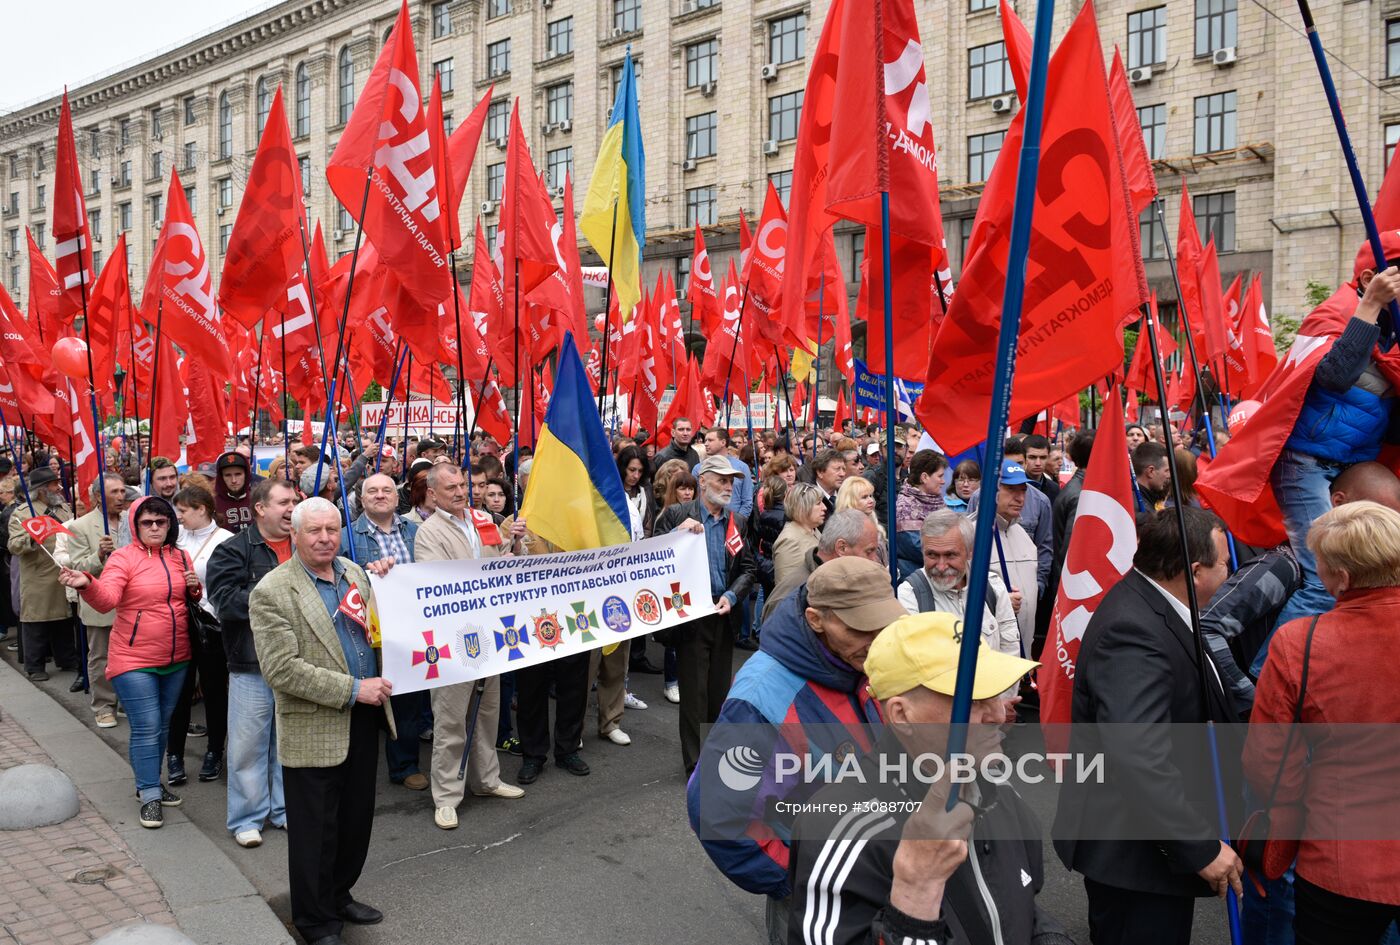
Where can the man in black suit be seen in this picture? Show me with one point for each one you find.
(705, 647)
(1136, 682)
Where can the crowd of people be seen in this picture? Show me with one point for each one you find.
(238, 588)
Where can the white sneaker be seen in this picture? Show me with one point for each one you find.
(507, 791)
(618, 737)
(632, 702)
(446, 818)
(106, 719)
(672, 692)
(248, 838)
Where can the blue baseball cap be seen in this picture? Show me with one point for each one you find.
(1013, 474)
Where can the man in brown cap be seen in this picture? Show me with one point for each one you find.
(803, 692)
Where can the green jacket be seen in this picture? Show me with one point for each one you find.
(302, 661)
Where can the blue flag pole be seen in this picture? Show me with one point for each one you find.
(890, 484)
(1027, 172)
(1391, 316)
(388, 400)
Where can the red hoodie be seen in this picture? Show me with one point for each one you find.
(146, 587)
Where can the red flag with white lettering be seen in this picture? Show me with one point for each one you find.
(71, 236)
(1101, 549)
(49, 305)
(700, 290)
(386, 148)
(1257, 339)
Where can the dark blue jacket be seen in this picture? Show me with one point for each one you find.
(792, 697)
(1341, 427)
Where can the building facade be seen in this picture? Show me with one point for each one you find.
(1229, 101)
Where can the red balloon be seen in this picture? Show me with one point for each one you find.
(598, 323)
(70, 357)
(1241, 412)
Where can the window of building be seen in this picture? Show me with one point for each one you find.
(157, 165)
(225, 231)
(304, 164)
(498, 57)
(123, 132)
(490, 231)
(189, 109)
(97, 258)
(701, 62)
(1215, 216)
(627, 15)
(965, 225)
(496, 8)
(189, 155)
(977, 6)
(1151, 235)
(41, 194)
(1392, 49)
(559, 103)
(154, 204)
(1147, 37)
(495, 181)
(497, 119)
(559, 165)
(442, 20)
(264, 97)
(442, 70)
(388, 32)
(302, 126)
(782, 183)
(988, 71)
(94, 143)
(224, 185)
(560, 37)
(1215, 25)
(701, 138)
(124, 173)
(787, 38)
(225, 127)
(682, 275)
(447, 124)
(783, 114)
(345, 81)
(41, 234)
(95, 224)
(124, 216)
(1153, 119)
(190, 200)
(95, 181)
(343, 220)
(156, 129)
(857, 254)
(14, 203)
(982, 151)
(1392, 137)
(12, 240)
(700, 206)
(1215, 122)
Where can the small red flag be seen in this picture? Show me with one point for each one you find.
(43, 527)
(486, 527)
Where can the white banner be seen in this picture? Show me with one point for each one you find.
(445, 622)
(424, 416)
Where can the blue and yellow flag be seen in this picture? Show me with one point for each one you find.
(619, 181)
(574, 498)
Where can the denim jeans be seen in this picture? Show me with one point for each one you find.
(254, 775)
(149, 699)
(412, 716)
(1300, 485)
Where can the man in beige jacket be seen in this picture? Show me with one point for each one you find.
(45, 615)
(450, 534)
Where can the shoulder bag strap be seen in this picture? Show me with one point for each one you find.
(1297, 710)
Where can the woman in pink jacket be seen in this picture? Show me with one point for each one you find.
(147, 582)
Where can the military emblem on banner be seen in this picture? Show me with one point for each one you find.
(583, 621)
(647, 606)
(616, 615)
(549, 633)
(431, 654)
(678, 601)
(472, 645)
(511, 638)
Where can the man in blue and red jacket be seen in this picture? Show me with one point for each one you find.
(798, 704)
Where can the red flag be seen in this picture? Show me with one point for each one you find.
(25, 368)
(763, 274)
(1085, 276)
(1387, 206)
(461, 151)
(487, 305)
(387, 135)
(912, 267)
(1237, 372)
(1257, 339)
(490, 405)
(49, 306)
(180, 284)
(1142, 183)
(1198, 310)
(442, 162)
(843, 412)
(565, 237)
(72, 240)
(1019, 47)
(1140, 376)
(728, 358)
(74, 419)
(108, 310)
(527, 216)
(265, 245)
(1101, 550)
(207, 413)
(700, 291)
(171, 410)
(668, 313)
(654, 366)
(43, 527)
(1217, 332)
(745, 241)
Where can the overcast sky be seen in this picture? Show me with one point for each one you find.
(75, 40)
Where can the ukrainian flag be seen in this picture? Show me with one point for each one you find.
(619, 181)
(574, 498)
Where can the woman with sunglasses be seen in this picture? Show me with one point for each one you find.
(147, 583)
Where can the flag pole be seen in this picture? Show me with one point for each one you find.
(734, 349)
(286, 434)
(1231, 902)
(607, 314)
(515, 495)
(340, 328)
(891, 487)
(817, 361)
(96, 420)
(257, 388)
(1391, 316)
(408, 404)
(1028, 169)
(460, 426)
(135, 382)
(480, 393)
(19, 463)
(399, 357)
(155, 384)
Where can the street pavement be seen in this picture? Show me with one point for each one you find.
(606, 859)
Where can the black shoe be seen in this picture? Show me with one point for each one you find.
(573, 764)
(529, 772)
(175, 764)
(151, 815)
(510, 745)
(360, 914)
(169, 798)
(643, 665)
(40, 676)
(76, 685)
(213, 766)
(748, 644)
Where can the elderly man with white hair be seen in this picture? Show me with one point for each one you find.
(310, 624)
